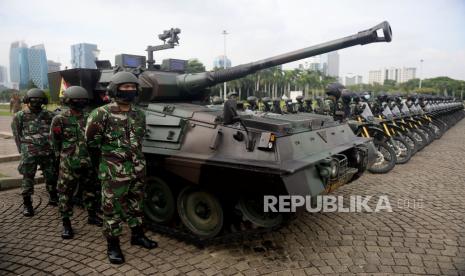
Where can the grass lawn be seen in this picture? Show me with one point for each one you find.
(5, 109)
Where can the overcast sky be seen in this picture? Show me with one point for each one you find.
(429, 30)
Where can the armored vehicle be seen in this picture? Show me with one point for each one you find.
(209, 167)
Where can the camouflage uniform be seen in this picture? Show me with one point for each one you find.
(31, 131)
(118, 135)
(68, 141)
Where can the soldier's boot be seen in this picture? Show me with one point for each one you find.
(138, 238)
(68, 232)
(93, 219)
(114, 253)
(28, 209)
(53, 198)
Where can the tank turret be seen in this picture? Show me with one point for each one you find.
(160, 85)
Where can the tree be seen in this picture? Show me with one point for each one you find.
(389, 83)
(31, 85)
(195, 66)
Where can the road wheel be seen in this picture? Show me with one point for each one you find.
(159, 204)
(200, 211)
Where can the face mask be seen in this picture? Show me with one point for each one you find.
(35, 106)
(78, 105)
(126, 95)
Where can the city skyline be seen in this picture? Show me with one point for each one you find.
(265, 28)
(27, 64)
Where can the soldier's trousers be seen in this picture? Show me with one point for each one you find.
(121, 201)
(28, 168)
(68, 182)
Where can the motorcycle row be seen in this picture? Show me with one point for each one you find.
(399, 125)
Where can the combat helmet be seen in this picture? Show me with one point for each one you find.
(35, 98)
(37, 95)
(334, 89)
(121, 78)
(76, 97)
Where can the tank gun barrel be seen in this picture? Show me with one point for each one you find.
(194, 82)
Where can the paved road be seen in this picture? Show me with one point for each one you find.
(7, 144)
(426, 240)
(5, 123)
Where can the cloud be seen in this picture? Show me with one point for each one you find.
(429, 30)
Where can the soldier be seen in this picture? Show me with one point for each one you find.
(300, 104)
(15, 103)
(308, 105)
(252, 103)
(230, 109)
(334, 92)
(117, 130)
(277, 106)
(31, 129)
(68, 141)
(266, 104)
(289, 106)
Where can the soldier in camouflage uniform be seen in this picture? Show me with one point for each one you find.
(334, 92)
(15, 103)
(300, 106)
(68, 141)
(31, 129)
(117, 130)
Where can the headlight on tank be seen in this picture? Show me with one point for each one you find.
(334, 169)
(357, 156)
(329, 168)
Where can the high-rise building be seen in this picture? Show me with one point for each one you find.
(3, 75)
(400, 75)
(19, 64)
(38, 67)
(333, 64)
(53, 66)
(314, 66)
(351, 79)
(83, 55)
(375, 76)
(219, 61)
(408, 73)
(327, 64)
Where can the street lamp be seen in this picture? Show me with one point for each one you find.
(224, 61)
(421, 71)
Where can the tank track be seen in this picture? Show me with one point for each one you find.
(182, 234)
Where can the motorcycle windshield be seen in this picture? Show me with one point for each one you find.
(419, 109)
(387, 112)
(405, 110)
(396, 111)
(367, 114)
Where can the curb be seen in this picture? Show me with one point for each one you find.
(9, 158)
(8, 183)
